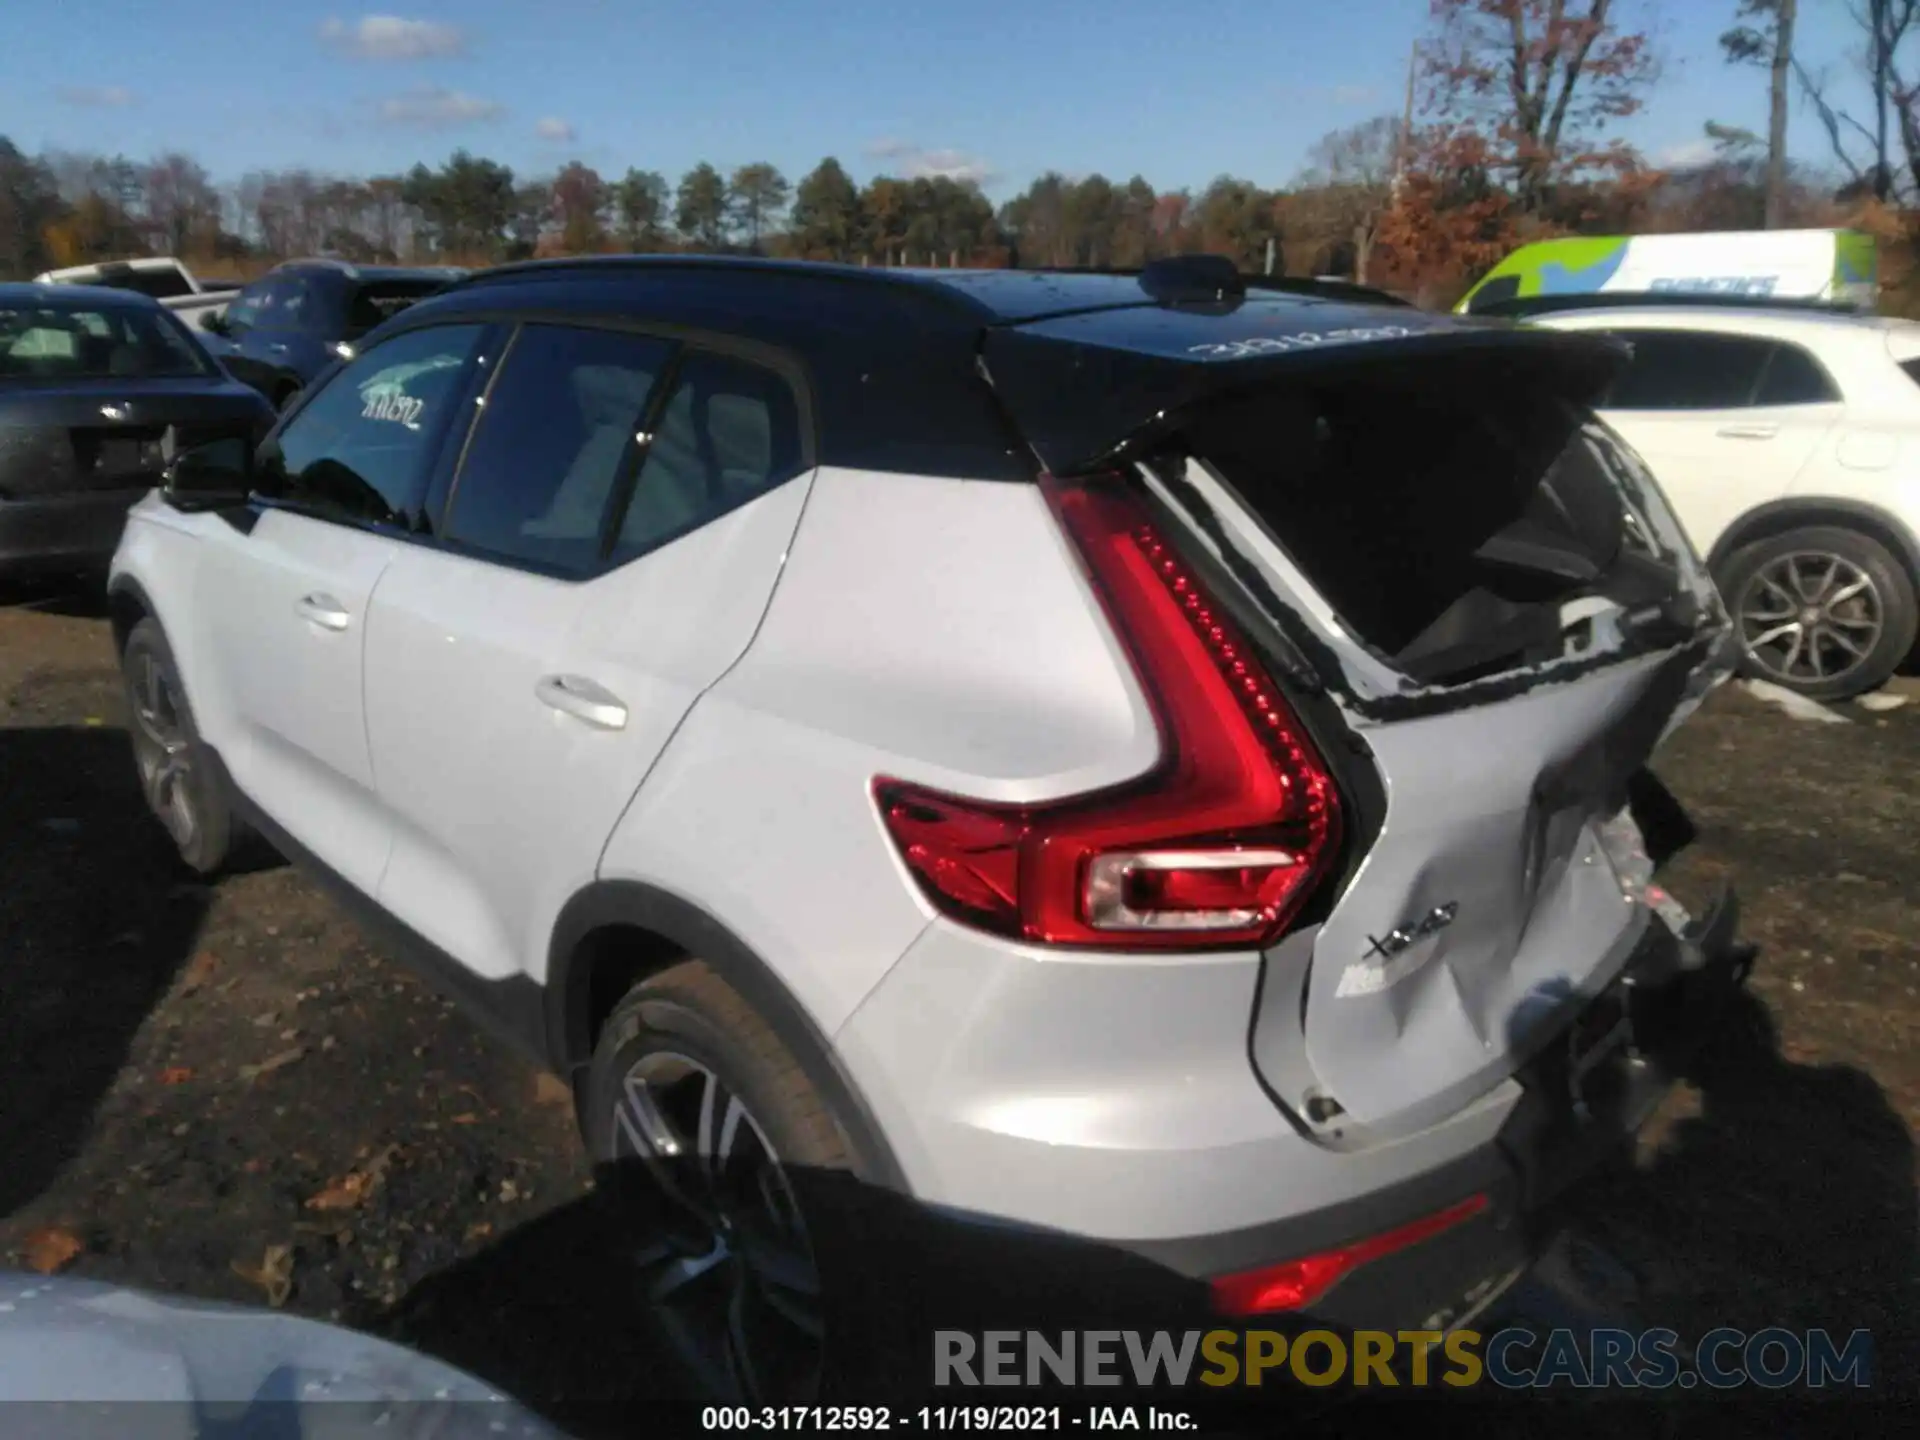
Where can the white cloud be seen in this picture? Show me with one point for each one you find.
(1687, 154)
(390, 37)
(433, 107)
(913, 162)
(97, 97)
(553, 128)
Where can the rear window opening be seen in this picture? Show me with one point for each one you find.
(1446, 511)
(378, 301)
(160, 282)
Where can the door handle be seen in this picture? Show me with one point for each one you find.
(582, 699)
(324, 611)
(1756, 431)
(276, 347)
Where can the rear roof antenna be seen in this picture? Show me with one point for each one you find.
(1192, 280)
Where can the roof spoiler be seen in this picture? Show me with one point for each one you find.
(1089, 391)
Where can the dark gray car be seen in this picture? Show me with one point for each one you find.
(97, 386)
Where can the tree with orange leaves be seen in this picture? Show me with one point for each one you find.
(1537, 84)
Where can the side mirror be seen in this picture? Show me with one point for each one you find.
(213, 322)
(213, 476)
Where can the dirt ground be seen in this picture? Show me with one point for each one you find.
(223, 1091)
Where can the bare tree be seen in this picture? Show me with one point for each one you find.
(1769, 42)
(1863, 148)
(1348, 184)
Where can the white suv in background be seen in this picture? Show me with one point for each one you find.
(1787, 439)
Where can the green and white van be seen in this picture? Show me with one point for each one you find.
(1835, 266)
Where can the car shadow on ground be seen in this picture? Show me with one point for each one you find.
(96, 917)
(83, 598)
(554, 1315)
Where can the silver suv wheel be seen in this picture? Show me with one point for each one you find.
(732, 1273)
(1809, 618)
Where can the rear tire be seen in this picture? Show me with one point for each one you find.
(730, 1173)
(179, 779)
(1824, 611)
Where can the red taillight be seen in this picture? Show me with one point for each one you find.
(1220, 845)
(1296, 1284)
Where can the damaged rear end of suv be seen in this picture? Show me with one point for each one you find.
(1411, 623)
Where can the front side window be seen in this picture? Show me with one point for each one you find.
(730, 431)
(77, 342)
(1689, 370)
(358, 450)
(558, 429)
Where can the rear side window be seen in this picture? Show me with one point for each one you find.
(76, 343)
(559, 427)
(161, 284)
(1794, 377)
(357, 451)
(730, 431)
(1685, 370)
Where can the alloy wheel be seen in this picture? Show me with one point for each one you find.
(1810, 618)
(731, 1272)
(161, 748)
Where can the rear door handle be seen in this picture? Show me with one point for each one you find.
(324, 611)
(581, 698)
(1754, 431)
(276, 347)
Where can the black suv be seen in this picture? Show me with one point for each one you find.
(286, 327)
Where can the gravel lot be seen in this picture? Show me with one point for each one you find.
(222, 1091)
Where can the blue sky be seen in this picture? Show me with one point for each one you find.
(1001, 89)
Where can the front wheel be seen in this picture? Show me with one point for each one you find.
(179, 783)
(1825, 611)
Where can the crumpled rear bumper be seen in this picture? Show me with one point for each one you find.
(1584, 1098)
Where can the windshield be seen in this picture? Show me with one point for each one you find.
(77, 342)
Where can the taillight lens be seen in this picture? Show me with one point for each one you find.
(1220, 845)
(1296, 1284)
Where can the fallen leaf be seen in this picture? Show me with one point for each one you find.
(551, 1090)
(274, 1274)
(355, 1186)
(272, 1063)
(175, 1075)
(479, 1230)
(467, 1119)
(93, 720)
(50, 1250)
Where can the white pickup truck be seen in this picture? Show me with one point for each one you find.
(163, 277)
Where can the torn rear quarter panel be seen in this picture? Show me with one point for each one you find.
(1493, 592)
